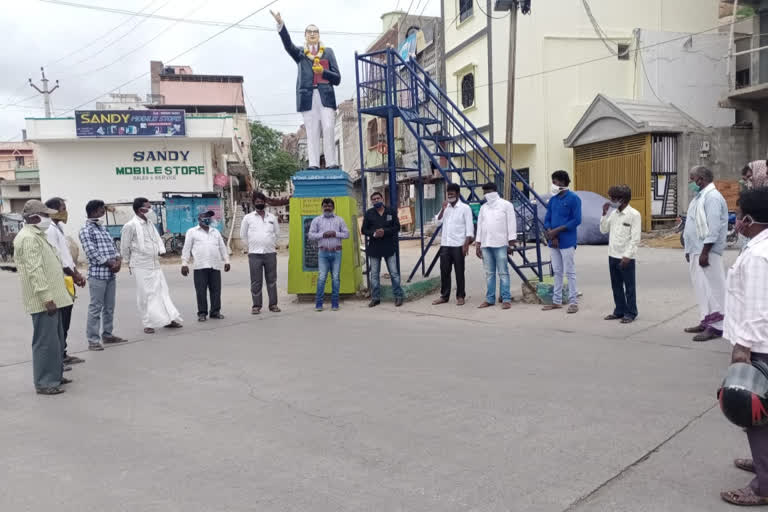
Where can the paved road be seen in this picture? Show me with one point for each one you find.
(418, 409)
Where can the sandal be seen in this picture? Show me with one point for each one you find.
(551, 307)
(149, 330)
(745, 497)
(573, 308)
(173, 325)
(485, 304)
(441, 300)
(255, 310)
(274, 309)
(613, 317)
(506, 305)
(745, 464)
(49, 391)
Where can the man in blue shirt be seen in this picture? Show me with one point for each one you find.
(563, 217)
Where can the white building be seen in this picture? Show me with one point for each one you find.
(119, 169)
(563, 64)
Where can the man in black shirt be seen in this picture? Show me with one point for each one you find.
(381, 227)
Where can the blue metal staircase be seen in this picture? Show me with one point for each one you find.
(390, 87)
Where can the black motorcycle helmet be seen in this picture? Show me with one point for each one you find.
(743, 396)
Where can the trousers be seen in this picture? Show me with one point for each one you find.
(623, 284)
(709, 285)
(563, 263)
(452, 258)
(263, 266)
(394, 273)
(208, 280)
(758, 444)
(320, 119)
(47, 340)
(328, 262)
(495, 261)
(101, 310)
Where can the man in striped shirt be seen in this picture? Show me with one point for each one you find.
(746, 327)
(44, 293)
(328, 230)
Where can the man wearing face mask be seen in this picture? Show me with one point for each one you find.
(746, 327)
(623, 226)
(44, 293)
(704, 237)
(206, 246)
(58, 240)
(141, 246)
(458, 231)
(561, 223)
(328, 230)
(260, 231)
(103, 264)
(496, 236)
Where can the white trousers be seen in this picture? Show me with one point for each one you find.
(316, 120)
(709, 286)
(154, 299)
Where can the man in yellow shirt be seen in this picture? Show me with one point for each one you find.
(43, 292)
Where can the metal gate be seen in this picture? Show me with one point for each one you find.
(664, 176)
(624, 161)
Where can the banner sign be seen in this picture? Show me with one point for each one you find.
(130, 123)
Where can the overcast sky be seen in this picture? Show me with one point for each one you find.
(74, 43)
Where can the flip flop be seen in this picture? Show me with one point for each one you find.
(551, 307)
(613, 317)
(484, 305)
(745, 464)
(745, 497)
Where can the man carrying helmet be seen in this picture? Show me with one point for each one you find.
(746, 327)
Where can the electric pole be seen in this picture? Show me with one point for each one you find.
(511, 6)
(45, 92)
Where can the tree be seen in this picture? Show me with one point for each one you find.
(272, 167)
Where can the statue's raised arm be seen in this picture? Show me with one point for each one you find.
(318, 73)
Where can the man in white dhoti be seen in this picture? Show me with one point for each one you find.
(704, 238)
(140, 246)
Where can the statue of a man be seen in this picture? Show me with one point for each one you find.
(315, 98)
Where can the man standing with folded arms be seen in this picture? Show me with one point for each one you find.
(103, 264)
(458, 230)
(44, 293)
(328, 230)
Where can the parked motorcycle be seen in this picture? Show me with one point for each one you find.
(731, 238)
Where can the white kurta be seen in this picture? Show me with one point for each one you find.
(152, 295)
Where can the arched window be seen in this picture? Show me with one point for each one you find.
(468, 90)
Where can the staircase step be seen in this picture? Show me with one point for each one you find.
(448, 154)
(438, 138)
(424, 120)
(461, 170)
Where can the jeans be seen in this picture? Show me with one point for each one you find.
(101, 310)
(451, 257)
(623, 284)
(47, 338)
(495, 260)
(375, 263)
(328, 261)
(208, 279)
(263, 266)
(563, 263)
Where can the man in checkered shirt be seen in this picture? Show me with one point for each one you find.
(746, 327)
(103, 264)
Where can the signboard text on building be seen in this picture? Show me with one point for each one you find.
(130, 123)
(160, 172)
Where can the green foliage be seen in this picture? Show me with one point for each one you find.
(272, 167)
(745, 12)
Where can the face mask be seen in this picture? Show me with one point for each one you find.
(328, 214)
(44, 224)
(61, 216)
(491, 196)
(99, 221)
(745, 223)
(615, 204)
(556, 189)
(206, 221)
(453, 200)
(378, 204)
(259, 206)
(694, 187)
(144, 211)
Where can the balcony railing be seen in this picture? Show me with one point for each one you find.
(10, 165)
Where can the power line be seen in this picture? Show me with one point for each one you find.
(210, 23)
(509, 13)
(102, 36)
(600, 32)
(647, 79)
(424, 8)
(201, 43)
(163, 32)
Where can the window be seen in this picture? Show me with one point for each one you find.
(23, 188)
(623, 51)
(468, 90)
(20, 161)
(465, 9)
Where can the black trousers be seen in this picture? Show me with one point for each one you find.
(452, 258)
(623, 284)
(66, 319)
(208, 279)
(263, 267)
(758, 444)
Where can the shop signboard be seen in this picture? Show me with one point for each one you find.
(130, 123)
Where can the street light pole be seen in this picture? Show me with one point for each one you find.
(45, 92)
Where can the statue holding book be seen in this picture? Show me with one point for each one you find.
(315, 97)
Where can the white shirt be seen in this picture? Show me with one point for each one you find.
(131, 251)
(457, 225)
(207, 248)
(57, 239)
(624, 232)
(496, 224)
(260, 233)
(746, 297)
